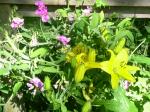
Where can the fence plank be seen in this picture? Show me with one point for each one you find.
(144, 3)
(125, 8)
(4, 14)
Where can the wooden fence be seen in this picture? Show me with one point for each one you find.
(125, 8)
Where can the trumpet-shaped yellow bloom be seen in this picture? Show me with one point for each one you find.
(117, 67)
(84, 59)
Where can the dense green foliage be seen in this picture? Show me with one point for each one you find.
(35, 51)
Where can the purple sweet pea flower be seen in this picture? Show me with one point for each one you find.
(63, 39)
(87, 11)
(45, 18)
(39, 3)
(17, 22)
(35, 84)
(42, 11)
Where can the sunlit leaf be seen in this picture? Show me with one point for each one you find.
(16, 87)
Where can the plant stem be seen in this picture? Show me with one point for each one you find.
(11, 43)
(137, 48)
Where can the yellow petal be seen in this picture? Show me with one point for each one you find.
(126, 75)
(79, 48)
(80, 58)
(132, 68)
(120, 45)
(79, 74)
(122, 57)
(90, 65)
(107, 67)
(92, 55)
(112, 57)
(114, 81)
(69, 56)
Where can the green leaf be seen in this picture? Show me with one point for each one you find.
(48, 88)
(140, 59)
(39, 52)
(146, 107)
(63, 108)
(73, 62)
(94, 21)
(26, 35)
(50, 69)
(4, 91)
(16, 87)
(62, 12)
(101, 15)
(147, 29)
(81, 24)
(145, 73)
(129, 35)
(111, 105)
(4, 71)
(23, 66)
(123, 102)
(100, 3)
(124, 22)
(47, 83)
(87, 107)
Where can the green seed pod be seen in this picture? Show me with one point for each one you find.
(73, 62)
(87, 107)
(47, 83)
(48, 88)
(79, 74)
(120, 45)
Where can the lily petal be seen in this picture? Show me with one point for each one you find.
(92, 55)
(122, 57)
(132, 68)
(114, 81)
(126, 75)
(80, 71)
(107, 67)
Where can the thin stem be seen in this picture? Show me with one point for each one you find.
(41, 28)
(2, 104)
(137, 48)
(11, 43)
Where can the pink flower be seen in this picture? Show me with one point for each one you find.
(64, 40)
(45, 18)
(39, 3)
(71, 17)
(87, 11)
(35, 84)
(17, 22)
(126, 85)
(42, 11)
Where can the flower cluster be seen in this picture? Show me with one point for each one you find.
(87, 11)
(42, 11)
(35, 84)
(17, 22)
(64, 40)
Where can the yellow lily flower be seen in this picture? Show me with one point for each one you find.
(84, 59)
(117, 67)
(85, 62)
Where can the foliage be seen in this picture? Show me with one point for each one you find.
(87, 73)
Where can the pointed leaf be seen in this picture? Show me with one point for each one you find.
(16, 87)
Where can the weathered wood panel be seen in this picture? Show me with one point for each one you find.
(125, 8)
(144, 3)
